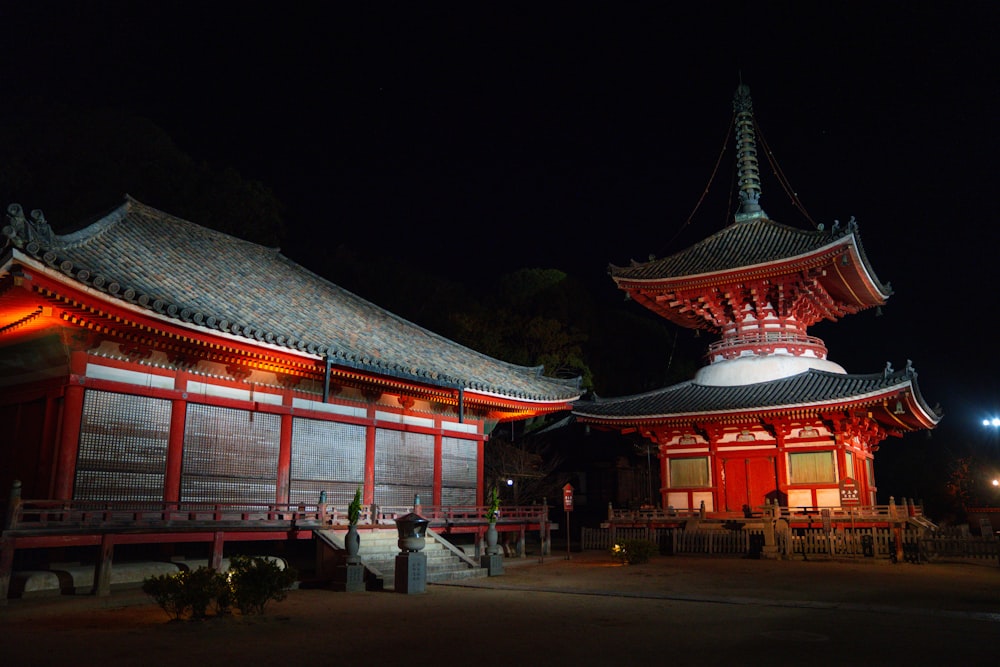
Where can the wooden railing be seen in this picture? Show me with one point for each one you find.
(890, 511)
(911, 544)
(60, 514)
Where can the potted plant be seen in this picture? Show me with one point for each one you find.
(492, 514)
(352, 542)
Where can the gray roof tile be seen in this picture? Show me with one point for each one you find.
(742, 245)
(216, 281)
(810, 388)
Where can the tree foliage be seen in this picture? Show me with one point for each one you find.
(531, 462)
(74, 163)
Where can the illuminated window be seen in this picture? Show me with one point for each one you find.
(811, 467)
(849, 465)
(689, 472)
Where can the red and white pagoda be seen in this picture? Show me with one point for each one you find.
(770, 419)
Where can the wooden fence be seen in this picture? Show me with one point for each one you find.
(918, 546)
(949, 547)
(674, 541)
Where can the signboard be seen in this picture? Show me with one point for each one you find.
(849, 492)
(568, 497)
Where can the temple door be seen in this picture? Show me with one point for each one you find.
(762, 481)
(735, 471)
(748, 482)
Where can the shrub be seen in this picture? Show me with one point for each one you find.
(250, 584)
(354, 509)
(204, 586)
(634, 552)
(190, 593)
(255, 581)
(168, 590)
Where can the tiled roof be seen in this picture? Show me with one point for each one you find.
(218, 282)
(741, 245)
(811, 388)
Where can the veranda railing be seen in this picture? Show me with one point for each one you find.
(55, 514)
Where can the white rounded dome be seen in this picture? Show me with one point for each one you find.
(753, 369)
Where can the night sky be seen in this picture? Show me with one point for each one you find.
(577, 135)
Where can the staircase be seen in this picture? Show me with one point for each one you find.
(379, 548)
(922, 522)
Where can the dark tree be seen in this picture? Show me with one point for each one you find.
(75, 163)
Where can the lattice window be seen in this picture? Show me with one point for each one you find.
(688, 472)
(404, 467)
(811, 467)
(230, 456)
(123, 447)
(326, 456)
(849, 464)
(459, 471)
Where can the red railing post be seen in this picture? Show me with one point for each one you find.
(14, 504)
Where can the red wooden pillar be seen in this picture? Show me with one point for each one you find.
(102, 571)
(438, 454)
(664, 481)
(6, 567)
(45, 479)
(369, 492)
(215, 558)
(175, 451)
(781, 465)
(283, 483)
(718, 492)
(480, 471)
(69, 440)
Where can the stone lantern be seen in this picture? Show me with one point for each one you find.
(411, 565)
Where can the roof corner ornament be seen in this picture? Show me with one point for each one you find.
(909, 368)
(888, 369)
(21, 231)
(747, 165)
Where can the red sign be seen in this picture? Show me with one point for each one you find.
(568, 498)
(849, 492)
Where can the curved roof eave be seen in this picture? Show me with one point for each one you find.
(88, 257)
(817, 390)
(747, 248)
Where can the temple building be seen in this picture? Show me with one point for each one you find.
(769, 419)
(148, 359)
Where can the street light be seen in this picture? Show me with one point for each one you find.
(995, 422)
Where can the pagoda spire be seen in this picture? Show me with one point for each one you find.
(748, 169)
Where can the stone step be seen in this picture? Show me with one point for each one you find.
(378, 550)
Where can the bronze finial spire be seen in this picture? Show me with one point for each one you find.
(746, 157)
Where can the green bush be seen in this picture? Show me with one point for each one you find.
(634, 552)
(250, 584)
(255, 581)
(190, 593)
(168, 590)
(202, 588)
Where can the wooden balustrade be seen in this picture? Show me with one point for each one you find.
(56, 514)
(890, 511)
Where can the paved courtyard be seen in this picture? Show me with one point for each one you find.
(583, 610)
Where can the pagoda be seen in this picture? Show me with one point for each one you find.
(769, 419)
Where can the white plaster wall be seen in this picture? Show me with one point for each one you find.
(800, 498)
(706, 496)
(828, 497)
(678, 501)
